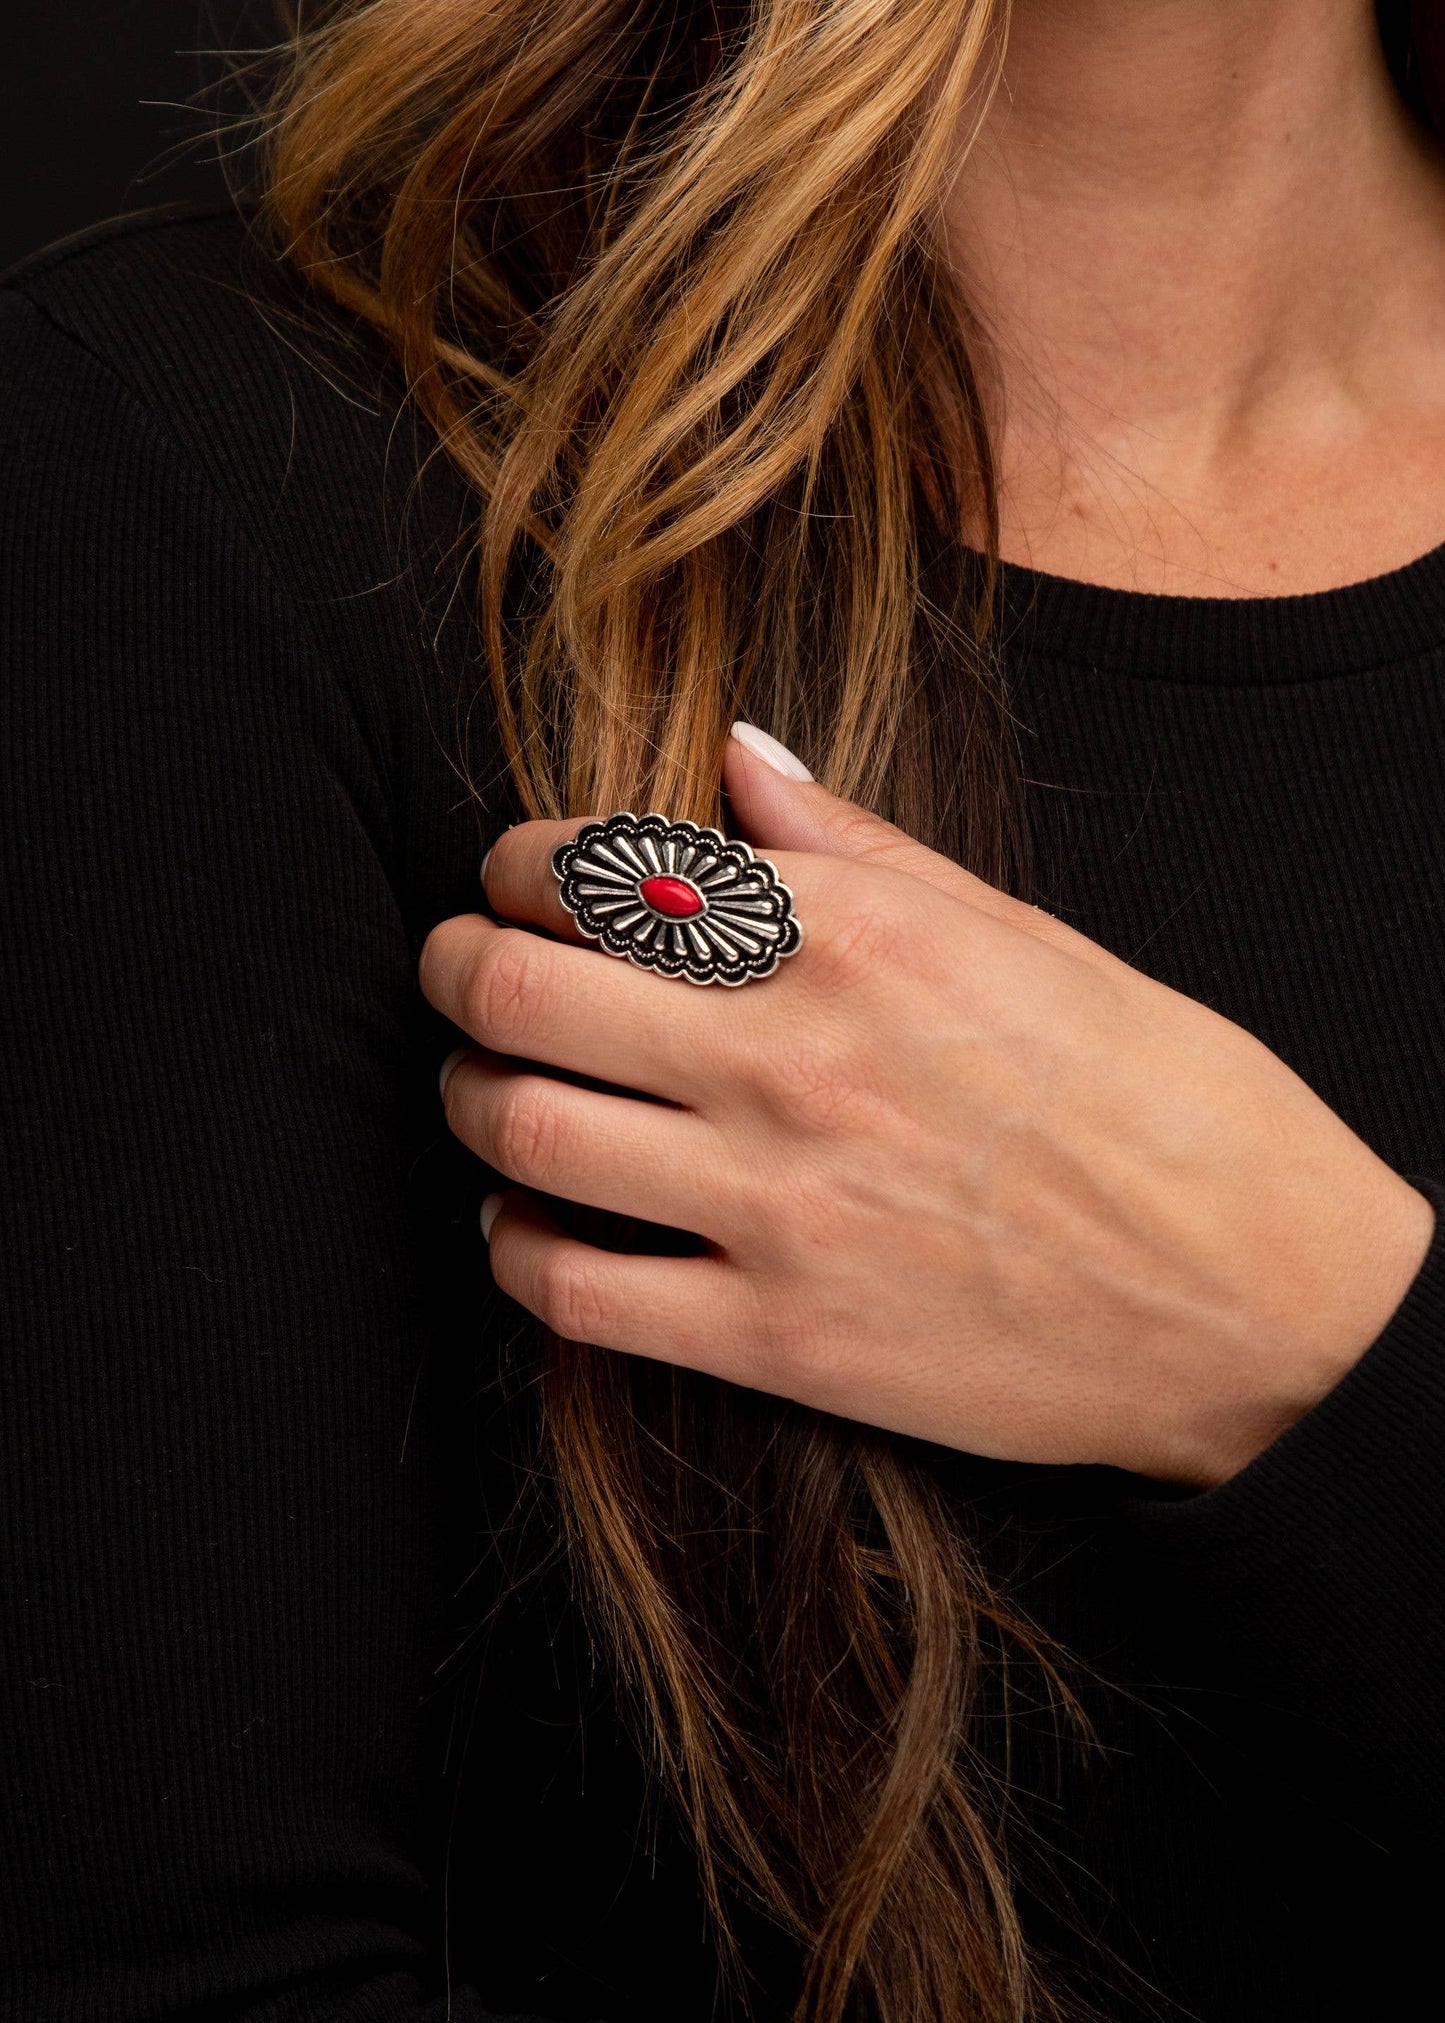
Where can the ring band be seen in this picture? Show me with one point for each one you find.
(677, 898)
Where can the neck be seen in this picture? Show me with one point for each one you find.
(1207, 241)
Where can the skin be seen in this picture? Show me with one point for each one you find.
(1209, 244)
(960, 1172)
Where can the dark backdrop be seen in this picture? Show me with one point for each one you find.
(90, 112)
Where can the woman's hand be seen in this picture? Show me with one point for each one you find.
(961, 1173)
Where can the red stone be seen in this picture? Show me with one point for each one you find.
(673, 898)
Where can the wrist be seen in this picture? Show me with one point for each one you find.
(1369, 1248)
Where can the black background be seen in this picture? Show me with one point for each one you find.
(91, 112)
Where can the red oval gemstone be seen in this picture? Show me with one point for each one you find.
(674, 898)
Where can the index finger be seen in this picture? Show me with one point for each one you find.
(574, 1008)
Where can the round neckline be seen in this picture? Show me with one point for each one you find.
(1306, 636)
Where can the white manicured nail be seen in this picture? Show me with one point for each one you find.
(489, 1214)
(770, 751)
(482, 874)
(457, 1054)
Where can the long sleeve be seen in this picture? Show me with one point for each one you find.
(1315, 1578)
(221, 1586)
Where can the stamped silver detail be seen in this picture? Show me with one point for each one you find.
(677, 898)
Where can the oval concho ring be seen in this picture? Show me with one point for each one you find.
(677, 898)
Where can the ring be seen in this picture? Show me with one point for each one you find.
(678, 898)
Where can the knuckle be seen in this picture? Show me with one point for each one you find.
(863, 837)
(502, 989)
(790, 1355)
(569, 1297)
(815, 1079)
(862, 938)
(525, 1130)
(1031, 920)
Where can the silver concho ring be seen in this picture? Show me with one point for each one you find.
(677, 898)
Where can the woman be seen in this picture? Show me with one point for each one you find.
(986, 1421)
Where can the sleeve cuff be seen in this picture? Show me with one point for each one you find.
(1315, 1574)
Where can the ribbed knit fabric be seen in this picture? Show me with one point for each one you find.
(265, 1420)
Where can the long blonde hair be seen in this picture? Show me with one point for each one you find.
(662, 279)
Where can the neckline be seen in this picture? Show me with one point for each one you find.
(1309, 636)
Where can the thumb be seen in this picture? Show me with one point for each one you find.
(778, 805)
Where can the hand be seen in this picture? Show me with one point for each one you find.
(961, 1173)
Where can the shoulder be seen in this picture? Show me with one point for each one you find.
(178, 344)
(108, 283)
(202, 323)
(279, 403)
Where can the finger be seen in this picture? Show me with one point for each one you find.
(776, 810)
(616, 1152)
(519, 881)
(673, 1309)
(575, 1008)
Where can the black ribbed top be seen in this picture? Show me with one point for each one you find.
(264, 1420)
(1232, 640)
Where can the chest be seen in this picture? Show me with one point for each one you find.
(1275, 850)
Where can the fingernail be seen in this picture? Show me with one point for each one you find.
(482, 874)
(457, 1054)
(489, 1214)
(770, 751)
